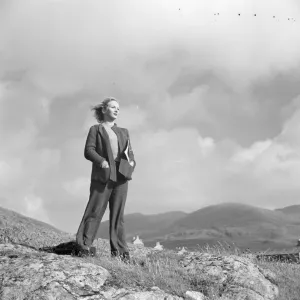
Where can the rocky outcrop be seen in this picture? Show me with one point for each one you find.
(26, 273)
(190, 295)
(293, 257)
(124, 294)
(239, 277)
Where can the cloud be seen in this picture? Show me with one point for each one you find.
(34, 208)
(206, 145)
(244, 156)
(78, 187)
(276, 162)
(10, 172)
(209, 97)
(174, 162)
(75, 52)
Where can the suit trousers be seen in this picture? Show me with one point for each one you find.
(114, 193)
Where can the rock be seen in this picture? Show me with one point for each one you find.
(155, 288)
(151, 295)
(26, 273)
(125, 294)
(29, 274)
(239, 277)
(190, 295)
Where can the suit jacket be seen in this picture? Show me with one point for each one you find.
(97, 149)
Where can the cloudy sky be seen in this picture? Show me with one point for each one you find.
(211, 99)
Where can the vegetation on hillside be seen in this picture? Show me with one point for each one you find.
(149, 268)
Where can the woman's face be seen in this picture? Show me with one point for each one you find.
(111, 112)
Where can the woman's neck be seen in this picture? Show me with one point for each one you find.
(108, 123)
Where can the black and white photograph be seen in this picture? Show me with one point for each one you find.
(149, 149)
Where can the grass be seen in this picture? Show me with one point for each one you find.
(159, 269)
(162, 269)
(288, 276)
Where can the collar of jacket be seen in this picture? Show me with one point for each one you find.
(116, 130)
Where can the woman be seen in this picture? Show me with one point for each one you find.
(108, 148)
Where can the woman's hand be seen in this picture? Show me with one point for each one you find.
(104, 164)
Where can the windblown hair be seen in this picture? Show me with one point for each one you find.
(98, 114)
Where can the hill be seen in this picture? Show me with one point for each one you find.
(12, 218)
(143, 225)
(246, 226)
(27, 272)
(293, 210)
(230, 215)
(17, 228)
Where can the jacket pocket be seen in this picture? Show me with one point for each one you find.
(100, 174)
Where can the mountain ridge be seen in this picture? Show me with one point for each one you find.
(229, 222)
(242, 224)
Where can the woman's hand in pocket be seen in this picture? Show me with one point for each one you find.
(104, 164)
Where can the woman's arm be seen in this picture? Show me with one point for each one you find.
(90, 152)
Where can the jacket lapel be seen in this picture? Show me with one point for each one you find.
(121, 140)
(104, 135)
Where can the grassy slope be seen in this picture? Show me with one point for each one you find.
(12, 218)
(17, 228)
(159, 269)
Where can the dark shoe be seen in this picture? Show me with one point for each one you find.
(93, 251)
(114, 254)
(87, 251)
(124, 257)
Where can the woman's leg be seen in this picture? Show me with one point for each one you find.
(117, 202)
(95, 209)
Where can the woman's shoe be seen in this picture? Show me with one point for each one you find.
(125, 257)
(93, 251)
(87, 251)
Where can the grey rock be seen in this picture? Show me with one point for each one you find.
(28, 274)
(151, 295)
(191, 295)
(125, 294)
(239, 277)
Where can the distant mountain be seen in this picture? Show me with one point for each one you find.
(242, 224)
(230, 215)
(293, 210)
(143, 225)
(233, 221)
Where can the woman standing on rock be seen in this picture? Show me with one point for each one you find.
(108, 148)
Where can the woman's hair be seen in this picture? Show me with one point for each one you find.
(98, 114)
